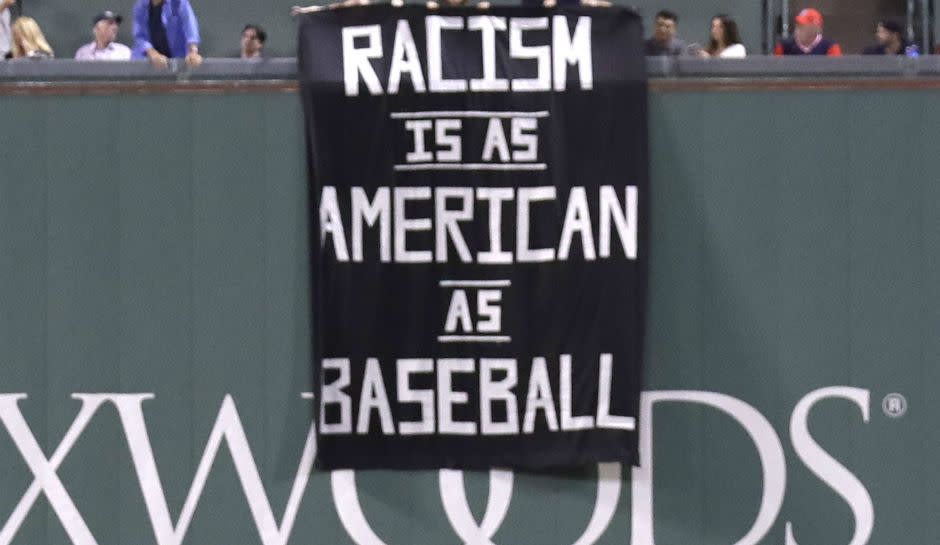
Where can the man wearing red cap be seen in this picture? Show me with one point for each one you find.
(807, 38)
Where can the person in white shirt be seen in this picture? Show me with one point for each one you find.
(725, 41)
(5, 31)
(104, 47)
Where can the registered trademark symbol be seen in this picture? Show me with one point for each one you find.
(894, 405)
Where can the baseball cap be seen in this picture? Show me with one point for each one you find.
(108, 16)
(809, 16)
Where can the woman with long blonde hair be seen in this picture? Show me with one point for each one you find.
(28, 40)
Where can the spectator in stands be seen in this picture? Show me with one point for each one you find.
(28, 40)
(808, 38)
(104, 47)
(890, 38)
(725, 40)
(5, 30)
(165, 29)
(253, 38)
(664, 40)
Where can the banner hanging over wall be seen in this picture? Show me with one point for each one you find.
(479, 188)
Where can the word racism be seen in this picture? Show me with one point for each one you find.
(387, 212)
(550, 60)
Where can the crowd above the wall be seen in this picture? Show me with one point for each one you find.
(808, 39)
(165, 30)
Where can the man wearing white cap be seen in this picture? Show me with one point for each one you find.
(104, 47)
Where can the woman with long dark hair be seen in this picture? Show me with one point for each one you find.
(725, 40)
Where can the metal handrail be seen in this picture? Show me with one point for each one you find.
(281, 69)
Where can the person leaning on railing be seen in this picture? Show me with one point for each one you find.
(29, 41)
(165, 29)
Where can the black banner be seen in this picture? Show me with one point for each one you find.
(478, 193)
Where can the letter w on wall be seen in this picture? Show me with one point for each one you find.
(228, 428)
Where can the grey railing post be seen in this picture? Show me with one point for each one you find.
(909, 31)
(768, 44)
(925, 27)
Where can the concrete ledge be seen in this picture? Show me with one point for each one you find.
(60, 70)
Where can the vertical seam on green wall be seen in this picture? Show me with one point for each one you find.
(45, 294)
(190, 183)
(121, 336)
(700, 205)
(850, 278)
(265, 335)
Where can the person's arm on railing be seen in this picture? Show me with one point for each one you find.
(142, 46)
(191, 31)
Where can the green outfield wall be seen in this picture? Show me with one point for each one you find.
(154, 334)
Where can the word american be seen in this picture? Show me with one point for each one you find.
(551, 61)
(387, 211)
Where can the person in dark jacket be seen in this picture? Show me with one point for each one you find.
(665, 39)
(808, 38)
(890, 38)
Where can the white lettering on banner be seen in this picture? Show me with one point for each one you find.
(333, 394)
(488, 25)
(332, 224)
(378, 211)
(356, 60)
(434, 24)
(576, 237)
(498, 390)
(447, 220)
(424, 398)
(404, 224)
(374, 396)
(824, 466)
(336, 399)
(495, 142)
(540, 53)
(571, 50)
(526, 196)
(569, 422)
(404, 59)
(539, 398)
(447, 397)
(551, 59)
(228, 428)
